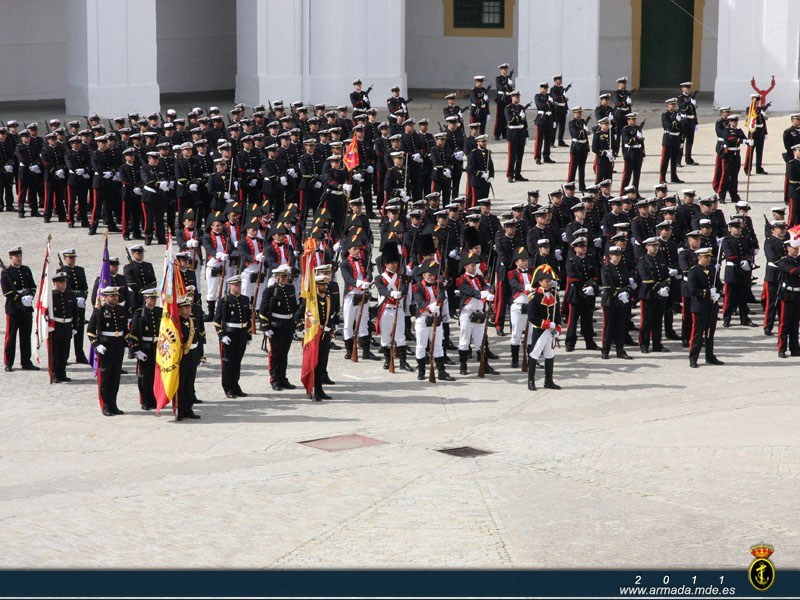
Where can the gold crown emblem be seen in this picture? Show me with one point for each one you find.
(761, 550)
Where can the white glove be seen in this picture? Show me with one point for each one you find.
(221, 256)
(81, 302)
(370, 169)
(484, 294)
(598, 242)
(745, 265)
(639, 135)
(663, 292)
(749, 142)
(317, 184)
(141, 355)
(365, 285)
(192, 244)
(358, 177)
(108, 174)
(673, 272)
(253, 182)
(609, 154)
(588, 291)
(679, 117)
(100, 349)
(755, 252)
(359, 283)
(9, 169)
(715, 296)
(434, 308)
(86, 176)
(60, 173)
(77, 171)
(633, 283)
(226, 195)
(36, 169)
(336, 246)
(713, 290)
(529, 288)
(192, 187)
(416, 157)
(137, 191)
(486, 97)
(27, 301)
(260, 257)
(453, 254)
(347, 187)
(172, 185)
(693, 101)
(269, 333)
(396, 295)
(490, 180)
(559, 254)
(291, 172)
(458, 155)
(510, 82)
(164, 186)
(447, 173)
(552, 326)
(225, 340)
(628, 100)
(563, 236)
(624, 297)
(236, 184)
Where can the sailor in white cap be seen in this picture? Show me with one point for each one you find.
(578, 148)
(232, 320)
(276, 314)
(107, 331)
(701, 288)
(545, 109)
(479, 103)
(731, 159)
(654, 293)
(632, 152)
(623, 104)
(19, 290)
(504, 85)
(480, 167)
(687, 106)
(671, 122)
(602, 147)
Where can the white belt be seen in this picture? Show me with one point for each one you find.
(57, 320)
(278, 316)
(111, 333)
(561, 103)
(758, 126)
(720, 139)
(148, 339)
(147, 188)
(771, 264)
(673, 132)
(193, 346)
(791, 289)
(515, 126)
(237, 325)
(545, 113)
(577, 141)
(690, 116)
(501, 93)
(335, 192)
(634, 146)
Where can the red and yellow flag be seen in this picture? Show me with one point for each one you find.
(312, 331)
(752, 115)
(351, 159)
(169, 349)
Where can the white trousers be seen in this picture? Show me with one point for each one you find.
(471, 333)
(544, 346)
(424, 338)
(519, 322)
(350, 310)
(387, 320)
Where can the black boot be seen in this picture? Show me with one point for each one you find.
(348, 348)
(440, 371)
(409, 330)
(532, 375)
(446, 343)
(211, 306)
(548, 374)
(421, 363)
(462, 361)
(366, 353)
(403, 351)
(489, 353)
(486, 366)
(386, 355)
(514, 357)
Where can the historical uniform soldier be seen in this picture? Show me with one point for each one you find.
(475, 297)
(77, 283)
(28, 175)
(633, 152)
(54, 172)
(504, 85)
(615, 300)
(654, 292)
(733, 137)
(217, 249)
(480, 167)
(19, 289)
(357, 277)
(139, 275)
(687, 106)
(701, 287)
(738, 256)
(544, 124)
(516, 132)
(559, 94)
(232, 316)
(603, 152)
(671, 122)
(429, 297)
(479, 103)
(392, 288)
(108, 332)
(520, 285)
(545, 324)
(60, 333)
(143, 338)
(774, 250)
(579, 148)
(789, 323)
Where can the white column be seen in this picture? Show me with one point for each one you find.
(570, 46)
(758, 39)
(269, 50)
(112, 57)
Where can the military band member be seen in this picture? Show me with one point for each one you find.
(61, 328)
(276, 312)
(108, 333)
(475, 297)
(20, 290)
(633, 152)
(479, 103)
(774, 250)
(545, 319)
(232, 316)
(143, 338)
(701, 287)
(603, 151)
(579, 148)
(516, 132)
(789, 317)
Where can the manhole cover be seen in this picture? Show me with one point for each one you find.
(343, 442)
(465, 452)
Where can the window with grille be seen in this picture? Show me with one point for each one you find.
(485, 14)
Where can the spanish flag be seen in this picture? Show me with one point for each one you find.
(351, 159)
(311, 335)
(752, 115)
(169, 349)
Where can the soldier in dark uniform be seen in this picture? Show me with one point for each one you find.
(232, 321)
(789, 319)
(687, 106)
(108, 332)
(579, 148)
(130, 176)
(544, 124)
(580, 294)
(276, 313)
(633, 152)
(654, 292)
(453, 110)
(139, 275)
(154, 200)
(719, 128)
(78, 285)
(20, 290)
(758, 135)
(7, 158)
(54, 173)
(793, 187)
(188, 365)
(103, 193)
(504, 247)
(311, 165)
(479, 103)
(118, 281)
(61, 323)
(774, 250)
(455, 143)
(671, 121)
(559, 94)
(143, 338)
(615, 299)
(668, 249)
(623, 104)
(328, 314)
(28, 175)
(480, 167)
(603, 152)
(516, 130)
(733, 137)
(504, 85)
(359, 98)
(738, 254)
(701, 288)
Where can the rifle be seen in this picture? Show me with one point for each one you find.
(160, 116)
(88, 123)
(525, 346)
(441, 129)
(566, 89)
(60, 262)
(369, 89)
(527, 106)
(110, 126)
(511, 75)
(485, 338)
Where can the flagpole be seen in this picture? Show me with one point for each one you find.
(39, 307)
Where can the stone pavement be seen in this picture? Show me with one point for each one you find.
(643, 463)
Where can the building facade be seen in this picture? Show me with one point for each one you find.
(107, 56)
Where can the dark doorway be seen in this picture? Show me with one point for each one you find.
(667, 38)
